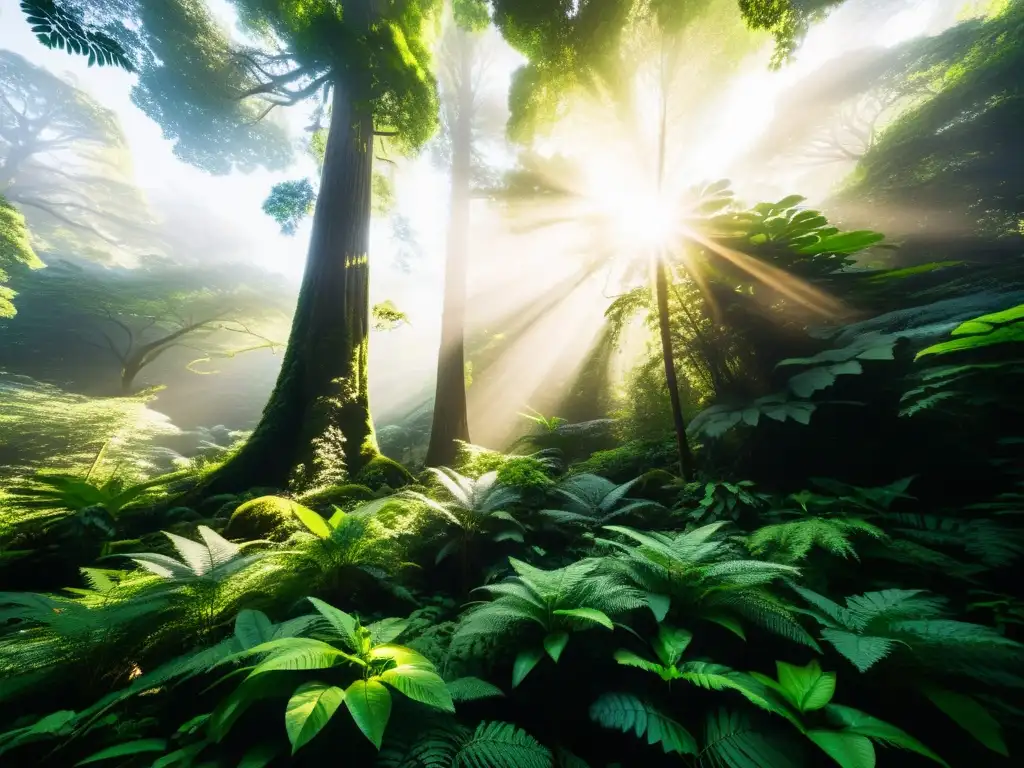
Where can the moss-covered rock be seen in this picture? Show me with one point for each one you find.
(266, 517)
(381, 471)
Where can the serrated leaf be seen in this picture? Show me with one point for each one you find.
(587, 614)
(472, 688)
(309, 710)
(670, 644)
(626, 713)
(369, 703)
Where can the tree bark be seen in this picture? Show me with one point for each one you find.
(678, 422)
(450, 419)
(321, 398)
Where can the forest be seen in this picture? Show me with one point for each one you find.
(680, 424)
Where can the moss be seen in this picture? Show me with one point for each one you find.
(628, 460)
(267, 517)
(523, 472)
(473, 461)
(124, 546)
(381, 471)
(344, 496)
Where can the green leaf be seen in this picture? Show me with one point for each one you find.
(555, 643)
(659, 605)
(588, 614)
(343, 623)
(525, 661)
(969, 715)
(252, 628)
(670, 644)
(308, 711)
(369, 703)
(856, 722)
(847, 749)
(630, 659)
(472, 688)
(625, 712)
(386, 630)
(419, 684)
(732, 741)
(808, 688)
(863, 652)
(124, 750)
(301, 653)
(499, 745)
(259, 756)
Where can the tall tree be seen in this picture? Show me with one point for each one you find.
(461, 94)
(15, 252)
(373, 62)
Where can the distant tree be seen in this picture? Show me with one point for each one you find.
(64, 162)
(467, 120)
(135, 316)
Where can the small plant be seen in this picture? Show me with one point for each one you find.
(341, 646)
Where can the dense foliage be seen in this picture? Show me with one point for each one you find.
(828, 578)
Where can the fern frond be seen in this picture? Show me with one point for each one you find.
(626, 712)
(501, 745)
(732, 741)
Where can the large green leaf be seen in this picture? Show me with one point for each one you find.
(525, 661)
(251, 690)
(848, 749)
(253, 628)
(808, 688)
(369, 703)
(587, 614)
(301, 653)
(312, 520)
(733, 741)
(422, 685)
(308, 711)
(555, 643)
(854, 721)
(342, 623)
(969, 715)
(127, 749)
(670, 644)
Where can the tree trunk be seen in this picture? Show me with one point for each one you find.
(319, 411)
(661, 293)
(450, 420)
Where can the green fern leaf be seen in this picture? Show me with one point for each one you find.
(472, 688)
(625, 712)
(731, 741)
(501, 745)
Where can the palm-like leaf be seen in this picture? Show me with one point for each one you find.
(592, 501)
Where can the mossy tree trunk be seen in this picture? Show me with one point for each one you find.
(319, 410)
(450, 420)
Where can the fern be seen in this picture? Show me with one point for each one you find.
(701, 572)
(732, 741)
(912, 623)
(451, 745)
(592, 501)
(560, 602)
(626, 712)
(791, 542)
